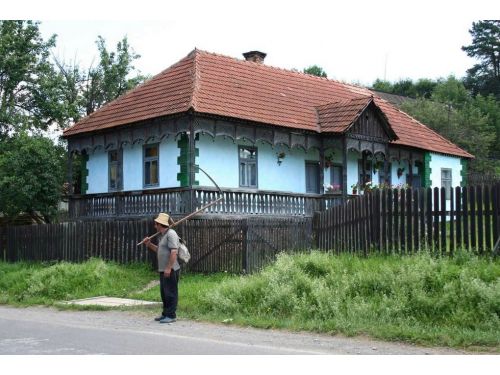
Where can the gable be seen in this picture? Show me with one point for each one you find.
(371, 123)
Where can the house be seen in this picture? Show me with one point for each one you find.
(275, 141)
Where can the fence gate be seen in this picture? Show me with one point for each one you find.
(243, 245)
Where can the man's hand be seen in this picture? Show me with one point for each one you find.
(167, 272)
(146, 241)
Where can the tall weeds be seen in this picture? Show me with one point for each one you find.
(418, 298)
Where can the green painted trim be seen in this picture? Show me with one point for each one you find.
(427, 170)
(463, 173)
(183, 160)
(84, 172)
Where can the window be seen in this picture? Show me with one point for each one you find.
(248, 166)
(151, 168)
(312, 177)
(336, 177)
(115, 158)
(446, 181)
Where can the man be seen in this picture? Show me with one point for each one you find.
(168, 266)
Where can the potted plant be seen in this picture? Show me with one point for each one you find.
(281, 155)
(333, 189)
(354, 188)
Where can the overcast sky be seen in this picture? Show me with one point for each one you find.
(353, 41)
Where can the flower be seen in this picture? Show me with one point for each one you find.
(332, 188)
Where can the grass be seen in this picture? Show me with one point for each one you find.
(421, 299)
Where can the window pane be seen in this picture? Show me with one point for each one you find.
(113, 176)
(154, 172)
(337, 177)
(243, 180)
(247, 153)
(253, 175)
(151, 151)
(147, 173)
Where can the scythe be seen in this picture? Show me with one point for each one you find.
(195, 212)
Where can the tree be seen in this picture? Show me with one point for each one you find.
(31, 176)
(456, 115)
(423, 88)
(315, 70)
(109, 79)
(24, 64)
(382, 85)
(484, 77)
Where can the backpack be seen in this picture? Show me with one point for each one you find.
(183, 252)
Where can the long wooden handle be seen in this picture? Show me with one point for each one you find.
(185, 218)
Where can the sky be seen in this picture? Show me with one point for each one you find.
(353, 41)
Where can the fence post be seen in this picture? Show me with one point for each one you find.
(244, 233)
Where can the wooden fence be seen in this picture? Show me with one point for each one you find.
(409, 220)
(216, 245)
(388, 221)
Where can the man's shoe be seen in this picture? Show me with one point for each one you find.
(167, 320)
(158, 318)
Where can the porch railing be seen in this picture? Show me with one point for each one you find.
(181, 201)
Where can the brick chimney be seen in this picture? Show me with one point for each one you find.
(255, 56)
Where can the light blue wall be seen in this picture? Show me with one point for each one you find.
(439, 161)
(132, 167)
(169, 152)
(97, 166)
(219, 157)
(133, 179)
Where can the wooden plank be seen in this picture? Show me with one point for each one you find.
(452, 222)
(402, 233)
(465, 215)
(383, 237)
(436, 220)
(495, 202)
(409, 216)
(428, 217)
(487, 219)
(416, 237)
(443, 220)
(396, 212)
(390, 218)
(472, 201)
(458, 215)
(480, 228)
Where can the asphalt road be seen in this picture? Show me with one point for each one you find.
(38, 331)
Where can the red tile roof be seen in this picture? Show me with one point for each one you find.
(220, 85)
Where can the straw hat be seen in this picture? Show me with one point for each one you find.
(163, 219)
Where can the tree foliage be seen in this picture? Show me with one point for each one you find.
(315, 70)
(109, 79)
(484, 77)
(423, 88)
(36, 91)
(24, 68)
(466, 121)
(85, 91)
(31, 176)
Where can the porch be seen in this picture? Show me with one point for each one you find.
(183, 201)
